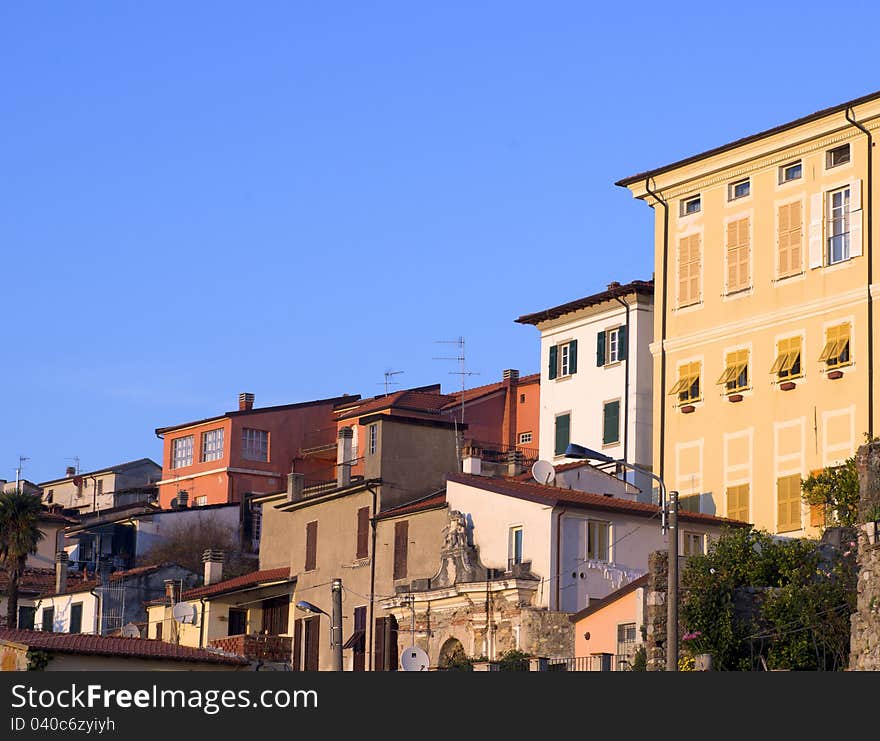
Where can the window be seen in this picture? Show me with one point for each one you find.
(689, 267)
(788, 359)
(401, 546)
(836, 350)
(563, 360)
(525, 438)
(276, 615)
(789, 246)
(76, 617)
(311, 546)
(690, 206)
(611, 422)
(563, 433)
(522, 398)
(837, 226)
(788, 503)
(26, 617)
(690, 503)
(363, 532)
(237, 624)
(739, 189)
(693, 544)
(611, 346)
(626, 643)
(254, 444)
(159, 631)
(200, 501)
(50, 496)
(48, 619)
(99, 488)
(306, 644)
(597, 541)
(357, 641)
(182, 452)
(736, 374)
(515, 546)
(738, 276)
(738, 502)
(837, 156)
(791, 171)
(212, 445)
(688, 385)
(373, 438)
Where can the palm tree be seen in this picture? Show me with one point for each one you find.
(19, 536)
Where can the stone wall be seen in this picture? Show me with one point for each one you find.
(865, 623)
(546, 633)
(656, 613)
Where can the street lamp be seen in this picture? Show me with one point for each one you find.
(335, 621)
(668, 521)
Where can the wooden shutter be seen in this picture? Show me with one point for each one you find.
(401, 543)
(738, 255)
(159, 631)
(689, 270)
(554, 362)
(379, 643)
(563, 430)
(313, 644)
(816, 230)
(311, 546)
(611, 422)
(391, 649)
(788, 501)
(363, 532)
(600, 349)
(855, 218)
(572, 357)
(621, 342)
(358, 649)
(297, 645)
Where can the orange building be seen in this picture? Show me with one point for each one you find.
(219, 459)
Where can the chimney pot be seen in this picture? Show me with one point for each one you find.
(245, 401)
(172, 593)
(511, 374)
(182, 499)
(213, 560)
(295, 486)
(613, 284)
(70, 471)
(61, 559)
(343, 456)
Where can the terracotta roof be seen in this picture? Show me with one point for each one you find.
(141, 648)
(413, 401)
(38, 581)
(254, 579)
(839, 108)
(598, 604)
(553, 495)
(259, 410)
(107, 469)
(644, 287)
(490, 388)
(55, 517)
(433, 501)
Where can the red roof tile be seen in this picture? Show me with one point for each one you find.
(553, 495)
(645, 287)
(39, 581)
(234, 584)
(434, 501)
(143, 648)
(414, 401)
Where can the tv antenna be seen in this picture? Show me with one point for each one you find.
(461, 364)
(75, 459)
(21, 460)
(388, 381)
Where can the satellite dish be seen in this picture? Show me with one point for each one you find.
(543, 472)
(184, 612)
(130, 630)
(414, 659)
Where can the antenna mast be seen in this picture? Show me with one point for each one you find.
(21, 460)
(388, 381)
(461, 364)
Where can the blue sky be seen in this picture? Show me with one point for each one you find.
(200, 199)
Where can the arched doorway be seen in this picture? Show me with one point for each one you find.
(452, 655)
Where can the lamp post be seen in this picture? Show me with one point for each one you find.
(335, 621)
(668, 522)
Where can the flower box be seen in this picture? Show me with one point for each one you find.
(787, 385)
(688, 408)
(735, 397)
(834, 375)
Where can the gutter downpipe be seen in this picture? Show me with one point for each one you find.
(201, 623)
(870, 251)
(97, 611)
(372, 649)
(559, 556)
(625, 386)
(662, 439)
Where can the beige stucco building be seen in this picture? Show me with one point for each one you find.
(764, 329)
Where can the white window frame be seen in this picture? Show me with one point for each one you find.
(831, 221)
(525, 438)
(373, 437)
(593, 526)
(731, 189)
(829, 156)
(612, 345)
(693, 537)
(200, 501)
(686, 205)
(783, 170)
(182, 451)
(212, 445)
(253, 444)
(564, 360)
(512, 555)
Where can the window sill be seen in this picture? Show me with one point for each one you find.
(833, 267)
(693, 306)
(738, 293)
(613, 364)
(733, 398)
(833, 375)
(787, 385)
(687, 409)
(788, 277)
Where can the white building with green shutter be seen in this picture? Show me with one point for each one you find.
(596, 376)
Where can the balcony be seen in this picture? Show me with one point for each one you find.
(256, 647)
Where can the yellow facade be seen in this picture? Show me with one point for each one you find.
(762, 252)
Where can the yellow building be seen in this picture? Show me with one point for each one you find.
(764, 347)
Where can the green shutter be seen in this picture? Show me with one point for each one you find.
(611, 423)
(554, 362)
(600, 349)
(563, 427)
(572, 357)
(621, 343)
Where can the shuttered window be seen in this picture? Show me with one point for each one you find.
(401, 544)
(788, 358)
(311, 639)
(311, 546)
(76, 617)
(790, 239)
(563, 433)
(563, 360)
(788, 503)
(687, 388)
(738, 502)
(275, 615)
(385, 657)
(738, 276)
(363, 532)
(296, 664)
(611, 422)
(736, 373)
(357, 642)
(689, 268)
(611, 346)
(836, 350)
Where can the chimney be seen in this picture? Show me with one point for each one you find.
(511, 407)
(70, 471)
(172, 591)
(343, 457)
(613, 284)
(213, 560)
(295, 485)
(471, 461)
(245, 401)
(61, 558)
(511, 374)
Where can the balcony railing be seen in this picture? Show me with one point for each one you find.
(594, 663)
(256, 646)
